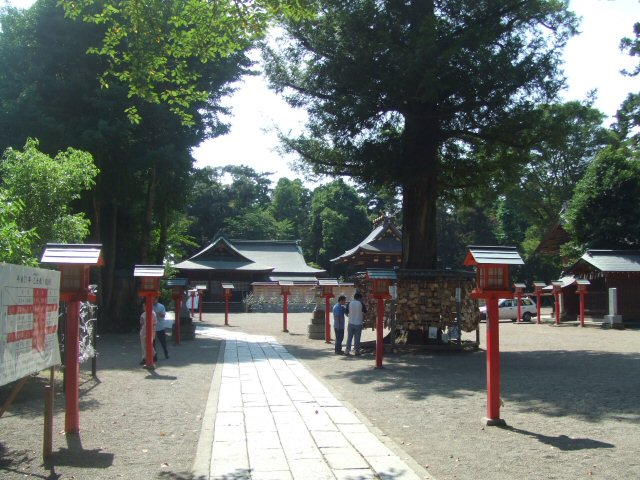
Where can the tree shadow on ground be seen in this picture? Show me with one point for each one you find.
(583, 384)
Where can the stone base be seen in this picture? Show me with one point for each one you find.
(187, 331)
(614, 321)
(495, 422)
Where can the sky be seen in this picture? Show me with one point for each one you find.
(592, 61)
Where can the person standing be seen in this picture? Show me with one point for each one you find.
(338, 323)
(355, 312)
(160, 312)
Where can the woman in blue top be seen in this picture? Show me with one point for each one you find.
(338, 322)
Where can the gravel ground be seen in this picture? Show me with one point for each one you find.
(570, 401)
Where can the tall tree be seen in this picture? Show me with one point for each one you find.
(409, 93)
(605, 212)
(49, 90)
(155, 47)
(338, 222)
(290, 202)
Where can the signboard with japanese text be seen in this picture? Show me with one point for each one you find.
(28, 321)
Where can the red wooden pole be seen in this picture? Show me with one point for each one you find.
(379, 340)
(493, 363)
(226, 308)
(538, 307)
(581, 308)
(327, 322)
(557, 307)
(72, 368)
(285, 308)
(519, 308)
(178, 303)
(149, 331)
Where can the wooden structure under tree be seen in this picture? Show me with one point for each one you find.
(382, 248)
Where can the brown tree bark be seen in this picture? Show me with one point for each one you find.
(148, 218)
(420, 195)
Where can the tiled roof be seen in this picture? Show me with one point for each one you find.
(487, 255)
(613, 260)
(276, 257)
(385, 238)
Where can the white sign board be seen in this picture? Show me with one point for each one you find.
(28, 321)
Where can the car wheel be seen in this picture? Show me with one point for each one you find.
(526, 317)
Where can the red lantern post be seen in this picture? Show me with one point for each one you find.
(381, 282)
(538, 286)
(200, 289)
(557, 293)
(285, 290)
(582, 284)
(149, 289)
(327, 285)
(519, 287)
(177, 290)
(74, 261)
(492, 283)
(228, 287)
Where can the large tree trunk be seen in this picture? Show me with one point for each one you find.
(419, 196)
(148, 218)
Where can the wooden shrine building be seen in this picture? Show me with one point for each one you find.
(382, 248)
(244, 263)
(605, 269)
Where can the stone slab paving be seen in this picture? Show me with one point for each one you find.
(275, 420)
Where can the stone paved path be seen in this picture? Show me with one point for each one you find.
(274, 420)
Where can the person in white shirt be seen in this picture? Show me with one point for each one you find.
(160, 312)
(355, 311)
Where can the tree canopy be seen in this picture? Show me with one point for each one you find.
(154, 47)
(420, 94)
(605, 211)
(40, 191)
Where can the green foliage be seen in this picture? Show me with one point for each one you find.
(47, 187)
(15, 243)
(338, 222)
(627, 125)
(290, 202)
(421, 95)
(155, 47)
(221, 197)
(632, 46)
(257, 224)
(604, 212)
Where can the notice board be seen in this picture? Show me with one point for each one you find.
(28, 321)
